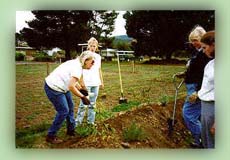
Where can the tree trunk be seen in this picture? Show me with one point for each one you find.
(67, 54)
(168, 56)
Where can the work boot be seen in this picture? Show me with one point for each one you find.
(53, 139)
(71, 133)
(196, 145)
(197, 142)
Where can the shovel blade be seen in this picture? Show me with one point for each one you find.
(122, 100)
(171, 124)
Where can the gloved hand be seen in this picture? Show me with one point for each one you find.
(180, 74)
(193, 97)
(85, 100)
(84, 92)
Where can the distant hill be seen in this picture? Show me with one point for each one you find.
(122, 38)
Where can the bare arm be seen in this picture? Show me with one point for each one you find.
(82, 83)
(73, 87)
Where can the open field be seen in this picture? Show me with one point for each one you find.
(149, 84)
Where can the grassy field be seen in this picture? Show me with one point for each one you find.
(34, 112)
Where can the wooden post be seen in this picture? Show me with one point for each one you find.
(119, 71)
(133, 62)
(47, 68)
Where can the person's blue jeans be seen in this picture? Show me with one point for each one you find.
(63, 104)
(93, 93)
(192, 113)
(207, 121)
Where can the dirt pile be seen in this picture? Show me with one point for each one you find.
(151, 118)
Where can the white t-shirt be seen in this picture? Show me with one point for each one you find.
(206, 93)
(59, 79)
(91, 77)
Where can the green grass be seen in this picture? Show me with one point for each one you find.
(25, 138)
(103, 114)
(125, 106)
(85, 130)
(147, 84)
(164, 100)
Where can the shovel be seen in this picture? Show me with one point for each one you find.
(172, 121)
(122, 98)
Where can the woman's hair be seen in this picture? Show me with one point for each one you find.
(208, 38)
(92, 40)
(196, 33)
(86, 55)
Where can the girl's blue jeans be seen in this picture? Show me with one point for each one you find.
(93, 93)
(63, 104)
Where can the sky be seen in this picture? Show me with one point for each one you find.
(23, 16)
(120, 25)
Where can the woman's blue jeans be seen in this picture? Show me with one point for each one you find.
(64, 106)
(207, 120)
(93, 93)
(192, 113)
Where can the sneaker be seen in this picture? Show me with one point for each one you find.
(53, 139)
(92, 124)
(77, 123)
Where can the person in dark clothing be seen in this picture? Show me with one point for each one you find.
(193, 80)
(195, 70)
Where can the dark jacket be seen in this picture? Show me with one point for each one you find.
(195, 70)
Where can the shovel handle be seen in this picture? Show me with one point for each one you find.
(176, 84)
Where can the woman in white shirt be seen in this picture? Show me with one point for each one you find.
(92, 80)
(206, 93)
(58, 87)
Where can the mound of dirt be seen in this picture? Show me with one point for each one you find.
(152, 118)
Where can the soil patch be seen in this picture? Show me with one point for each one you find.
(152, 118)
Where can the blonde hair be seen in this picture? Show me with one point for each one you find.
(86, 55)
(92, 40)
(196, 33)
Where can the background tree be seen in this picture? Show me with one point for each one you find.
(160, 33)
(103, 24)
(63, 29)
(120, 45)
(18, 38)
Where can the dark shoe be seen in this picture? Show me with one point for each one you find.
(195, 145)
(53, 139)
(71, 133)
